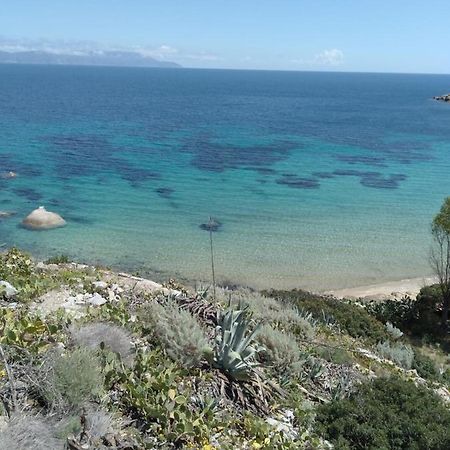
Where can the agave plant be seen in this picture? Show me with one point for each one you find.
(234, 353)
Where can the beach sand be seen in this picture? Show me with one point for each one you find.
(393, 289)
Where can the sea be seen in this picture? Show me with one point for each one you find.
(314, 180)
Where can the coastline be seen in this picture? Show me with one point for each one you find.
(388, 290)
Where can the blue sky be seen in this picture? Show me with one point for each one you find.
(347, 35)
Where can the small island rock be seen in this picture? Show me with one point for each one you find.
(41, 219)
(442, 98)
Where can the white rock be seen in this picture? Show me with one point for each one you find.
(10, 290)
(41, 219)
(96, 300)
(100, 284)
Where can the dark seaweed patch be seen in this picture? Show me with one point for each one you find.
(264, 170)
(323, 175)
(165, 192)
(28, 193)
(294, 181)
(374, 179)
(90, 155)
(381, 182)
(134, 175)
(355, 173)
(367, 160)
(9, 163)
(214, 157)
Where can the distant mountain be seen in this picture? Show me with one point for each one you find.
(104, 58)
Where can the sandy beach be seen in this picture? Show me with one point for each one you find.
(393, 289)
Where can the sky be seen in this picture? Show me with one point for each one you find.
(345, 35)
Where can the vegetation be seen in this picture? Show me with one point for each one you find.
(400, 354)
(234, 353)
(177, 331)
(68, 381)
(440, 257)
(170, 368)
(354, 319)
(387, 414)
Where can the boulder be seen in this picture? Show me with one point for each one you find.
(41, 219)
(7, 289)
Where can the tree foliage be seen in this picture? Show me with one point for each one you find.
(440, 255)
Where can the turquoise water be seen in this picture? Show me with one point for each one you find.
(320, 180)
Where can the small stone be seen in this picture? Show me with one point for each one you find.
(99, 284)
(96, 300)
(9, 290)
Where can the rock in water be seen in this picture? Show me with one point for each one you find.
(41, 219)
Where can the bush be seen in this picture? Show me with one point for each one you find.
(154, 393)
(425, 367)
(400, 313)
(335, 355)
(393, 331)
(418, 317)
(267, 310)
(71, 380)
(387, 413)
(350, 317)
(29, 433)
(281, 351)
(177, 331)
(114, 338)
(58, 259)
(400, 354)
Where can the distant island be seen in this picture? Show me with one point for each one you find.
(103, 58)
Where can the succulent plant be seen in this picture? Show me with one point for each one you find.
(234, 353)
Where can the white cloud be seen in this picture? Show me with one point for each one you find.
(333, 57)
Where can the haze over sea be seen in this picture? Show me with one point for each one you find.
(320, 180)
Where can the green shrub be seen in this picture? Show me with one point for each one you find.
(177, 331)
(267, 310)
(400, 313)
(18, 269)
(281, 351)
(425, 367)
(400, 354)
(70, 380)
(335, 355)
(58, 259)
(154, 392)
(23, 329)
(418, 317)
(387, 413)
(354, 319)
(14, 264)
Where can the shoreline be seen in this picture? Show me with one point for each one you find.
(387, 290)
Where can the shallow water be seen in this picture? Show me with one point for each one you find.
(320, 180)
